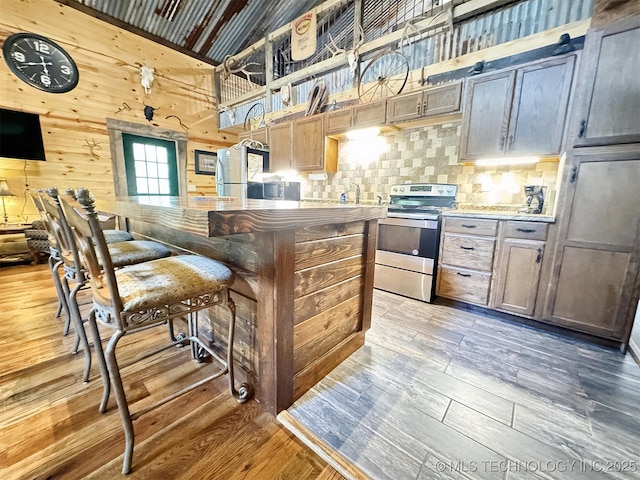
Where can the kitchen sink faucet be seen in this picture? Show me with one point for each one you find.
(357, 193)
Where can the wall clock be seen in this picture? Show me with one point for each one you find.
(40, 62)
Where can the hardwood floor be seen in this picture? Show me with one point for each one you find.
(50, 427)
(439, 393)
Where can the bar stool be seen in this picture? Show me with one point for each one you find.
(123, 253)
(134, 298)
(55, 261)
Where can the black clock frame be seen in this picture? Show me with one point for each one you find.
(6, 52)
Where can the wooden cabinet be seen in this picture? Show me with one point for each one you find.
(594, 284)
(372, 114)
(492, 263)
(258, 135)
(338, 121)
(308, 144)
(424, 103)
(518, 266)
(301, 145)
(466, 261)
(517, 112)
(610, 88)
(280, 147)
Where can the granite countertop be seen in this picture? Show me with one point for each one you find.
(500, 215)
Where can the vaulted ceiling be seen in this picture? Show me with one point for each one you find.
(208, 30)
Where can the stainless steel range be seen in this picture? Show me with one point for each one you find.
(409, 239)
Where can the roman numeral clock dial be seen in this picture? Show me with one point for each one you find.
(40, 62)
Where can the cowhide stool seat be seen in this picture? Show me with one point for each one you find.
(132, 299)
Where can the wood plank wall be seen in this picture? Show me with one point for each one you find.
(329, 279)
(109, 61)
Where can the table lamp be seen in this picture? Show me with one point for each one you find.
(5, 192)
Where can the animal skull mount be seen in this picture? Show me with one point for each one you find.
(146, 78)
(148, 112)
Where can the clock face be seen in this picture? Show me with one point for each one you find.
(40, 62)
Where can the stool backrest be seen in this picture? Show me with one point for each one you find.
(80, 213)
(37, 201)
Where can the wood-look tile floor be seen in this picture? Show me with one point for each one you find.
(440, 393)
(50, 427)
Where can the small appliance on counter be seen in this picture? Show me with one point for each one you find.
(237, 166)
(274, 190)
(535, 198)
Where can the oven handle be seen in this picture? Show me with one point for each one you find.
(409, 222)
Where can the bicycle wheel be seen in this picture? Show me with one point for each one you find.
(254, 117)
(384, 76)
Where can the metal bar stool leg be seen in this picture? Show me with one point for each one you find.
(121, 400)
(102, 364)
(62, 300)
(244, 392)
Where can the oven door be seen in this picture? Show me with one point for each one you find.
(415, 239)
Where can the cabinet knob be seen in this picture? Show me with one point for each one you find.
(526, 230)
(463, 274)
(466, 248)
(538, 255)
(466, 225)
(502, 141)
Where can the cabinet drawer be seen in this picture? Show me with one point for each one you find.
(471, 226)
(468, 252)
(465, 285)
(526, 230)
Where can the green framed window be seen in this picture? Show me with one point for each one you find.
(151, 165)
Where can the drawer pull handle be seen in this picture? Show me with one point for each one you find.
(463, 274)
(526, 230)
(467, 226)
(466, 248)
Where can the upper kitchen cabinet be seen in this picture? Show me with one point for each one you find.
(258, 135)
(610, 103)
(373, 114)
(424, 103)
(301, 145)
(517, 112)
(280, 148)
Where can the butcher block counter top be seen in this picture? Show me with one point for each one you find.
(212, 217)
(303, 279)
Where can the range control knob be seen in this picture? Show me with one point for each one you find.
(402, 189)
(395, 189)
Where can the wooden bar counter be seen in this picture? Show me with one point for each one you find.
(304, 280)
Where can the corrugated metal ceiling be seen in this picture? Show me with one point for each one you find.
(209, 30)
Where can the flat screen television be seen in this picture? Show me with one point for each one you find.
(20, 135)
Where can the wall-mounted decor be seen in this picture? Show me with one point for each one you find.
(40, 62)
(205, 162)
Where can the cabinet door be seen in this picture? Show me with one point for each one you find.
(308, 144)
(404, 107)
(372, 114)
(539, 110)
(258, 135)
(280, 148)
(611, 89)
(485, 118)
(337, 121)
(518, 275)
(441, 100)
(594, 276)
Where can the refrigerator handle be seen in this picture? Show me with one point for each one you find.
(219, 172)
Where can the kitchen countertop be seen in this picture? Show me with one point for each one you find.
(213, 216)
(500, 215)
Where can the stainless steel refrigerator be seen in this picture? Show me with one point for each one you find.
(236, 167)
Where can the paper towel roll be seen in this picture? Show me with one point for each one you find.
(318, 176)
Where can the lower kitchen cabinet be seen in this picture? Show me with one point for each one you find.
(466, 261)
(497, 266)
(595, 276)
(518, 276)
(519, 255)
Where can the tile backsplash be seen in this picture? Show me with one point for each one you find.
(428, 154)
